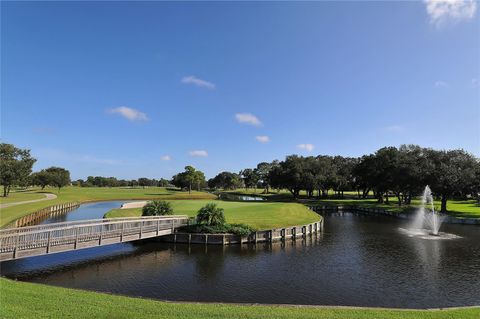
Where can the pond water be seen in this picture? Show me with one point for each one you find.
(93, 210)
(240, 198)
(359, 260)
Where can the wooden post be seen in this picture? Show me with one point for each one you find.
(189, 238)
(121, 233)
(76, 238)
(141, 226)
(48, 241)
(100, 237)
(15, 248)
(158, 226)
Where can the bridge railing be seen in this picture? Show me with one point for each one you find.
(50, 235)
(25, 229)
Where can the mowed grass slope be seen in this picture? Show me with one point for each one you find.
(15, 197)
(260, 215)
(457, 208)
(86, 194)
(27, 300)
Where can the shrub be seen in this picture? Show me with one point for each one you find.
(211, 215)
(240, 229)
(157, 208)
(237, 229)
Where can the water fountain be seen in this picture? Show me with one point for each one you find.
(426, 216)
(427, 221)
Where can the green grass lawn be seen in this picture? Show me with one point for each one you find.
(259, 215)
(27, 300)
(85, 194)
(20, 196)
(458, 208)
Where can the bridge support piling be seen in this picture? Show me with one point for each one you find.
(48, 241)
(76, 239)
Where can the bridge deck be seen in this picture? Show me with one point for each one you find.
(39, 240)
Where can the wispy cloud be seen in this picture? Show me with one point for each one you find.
(444, 11)
(129, 113)
(198, 153)
(262, 138)
(248, 118)
(441, 84)
(306, 147)
(474, 83)
(395, 128)
(165, 157)
(191, 79)
(60, 155)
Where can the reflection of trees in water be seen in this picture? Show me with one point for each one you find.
(122, 256)
(211, 259)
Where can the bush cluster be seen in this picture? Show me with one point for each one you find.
(157, 208)
(237, 229)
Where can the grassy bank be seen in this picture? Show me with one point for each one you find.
(26, 300)
(457, 208)
(85, 194)
(20, 196)
(255, 214)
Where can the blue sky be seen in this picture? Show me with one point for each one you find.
(143, 89)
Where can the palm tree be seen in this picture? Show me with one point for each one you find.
(157, 208)
(211, 215)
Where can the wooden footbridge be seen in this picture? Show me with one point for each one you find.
(39, 240)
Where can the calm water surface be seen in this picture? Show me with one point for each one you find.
(86, 211)
(358, 261)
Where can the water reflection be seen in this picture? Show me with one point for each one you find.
(359, 260)
(85, 211)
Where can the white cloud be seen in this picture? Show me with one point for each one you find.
(191, 79)
(306, 147)
(441, 84)
(475, 83)
(248, 118)
(442, 11)
(262, 138)
(198, 153)
(165, 157)
(395, 128)
(129, 113)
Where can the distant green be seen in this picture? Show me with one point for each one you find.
(458, 208)
(259, 215)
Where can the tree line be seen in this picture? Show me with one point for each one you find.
(16, 170)
(100, 181)
(400, 172)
